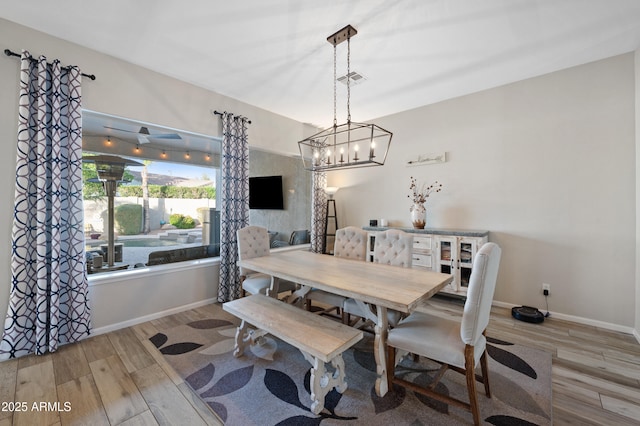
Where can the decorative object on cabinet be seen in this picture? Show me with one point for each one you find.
(418, 215)
(330, 191)
(419, 197)
(338, 147)
(450, 251)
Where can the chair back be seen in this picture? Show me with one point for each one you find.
(482, 284)
(351, 243)
(393, 247)
(253, 241)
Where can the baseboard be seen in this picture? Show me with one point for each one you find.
(636, 334)
(155, 315)
(582, 320)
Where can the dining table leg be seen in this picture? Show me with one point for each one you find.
(379, 351)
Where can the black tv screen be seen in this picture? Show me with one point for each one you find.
(265, 192)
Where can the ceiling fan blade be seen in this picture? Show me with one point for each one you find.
(120, 130)
(166, 136)
(144, 132)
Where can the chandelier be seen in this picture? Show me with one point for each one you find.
(347, 145)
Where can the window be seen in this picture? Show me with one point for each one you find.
(165, 209)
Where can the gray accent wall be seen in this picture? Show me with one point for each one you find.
(296, 187)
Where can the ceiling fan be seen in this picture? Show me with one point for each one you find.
(144, 135)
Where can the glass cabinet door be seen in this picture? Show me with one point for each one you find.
(466, 253)
(446, 255)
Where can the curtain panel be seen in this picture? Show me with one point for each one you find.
(234, 205)
(48, 304)
(318, 211)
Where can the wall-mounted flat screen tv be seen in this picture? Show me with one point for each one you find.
(265, 192)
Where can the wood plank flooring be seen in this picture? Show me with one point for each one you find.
(121, 379)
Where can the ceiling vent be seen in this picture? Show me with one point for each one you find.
(353, 77)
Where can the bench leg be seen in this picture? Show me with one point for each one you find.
(247, 336)
(322, 381)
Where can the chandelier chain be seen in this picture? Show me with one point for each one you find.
(335, 77)
(348, 78)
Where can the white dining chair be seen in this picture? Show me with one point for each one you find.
(392, 247)
(350, 243)
(253, 241)
(455, 345)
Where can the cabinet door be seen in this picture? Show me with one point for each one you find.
(467, 248)
(371, 242)
(445, 260)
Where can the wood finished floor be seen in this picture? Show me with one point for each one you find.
(120, 378)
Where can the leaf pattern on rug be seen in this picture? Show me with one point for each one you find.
(508, 421)
(201, 377)
(219, 348)
(514, 395)
(158, 339)
(208, 324)
(390, 401)
(498, 341)
(366, 359)
(218, 340)
(512, 361)
(230, 382)
(301, 421)
(180, 348)
(228, 332)
(283, 387)
(219, 409)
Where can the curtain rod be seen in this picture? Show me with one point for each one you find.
(10, 53)
(236, 117)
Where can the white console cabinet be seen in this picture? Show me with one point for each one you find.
(450, 251)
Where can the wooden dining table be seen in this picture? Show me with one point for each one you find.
(381, 286)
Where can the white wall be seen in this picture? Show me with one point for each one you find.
(637, 93)
(547, 165)
(130, 91)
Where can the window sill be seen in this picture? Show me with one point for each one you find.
(149, 271)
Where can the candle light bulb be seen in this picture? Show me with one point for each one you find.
(371, 152)
(328, 156)
(356, 148)
(342, 154)
(316, 157)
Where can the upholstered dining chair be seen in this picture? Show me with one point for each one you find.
(455, 345)
(253, 241)
(350, 243)
(392, 247)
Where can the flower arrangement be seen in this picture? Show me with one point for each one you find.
(420, 195)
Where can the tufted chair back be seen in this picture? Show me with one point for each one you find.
(482, 284)
(351, 243)
(253, 241)
(393, 247)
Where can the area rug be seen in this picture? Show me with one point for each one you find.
(269, 384)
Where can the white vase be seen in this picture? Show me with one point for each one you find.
(418, 215)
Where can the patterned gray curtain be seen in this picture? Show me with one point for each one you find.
(48, 304)
(234, 206)
(318, 211)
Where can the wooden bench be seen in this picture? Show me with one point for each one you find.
(320, 339)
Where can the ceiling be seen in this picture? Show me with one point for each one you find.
(274, 54)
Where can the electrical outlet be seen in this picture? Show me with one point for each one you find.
(546, 289)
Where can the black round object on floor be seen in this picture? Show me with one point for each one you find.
(527, 314)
